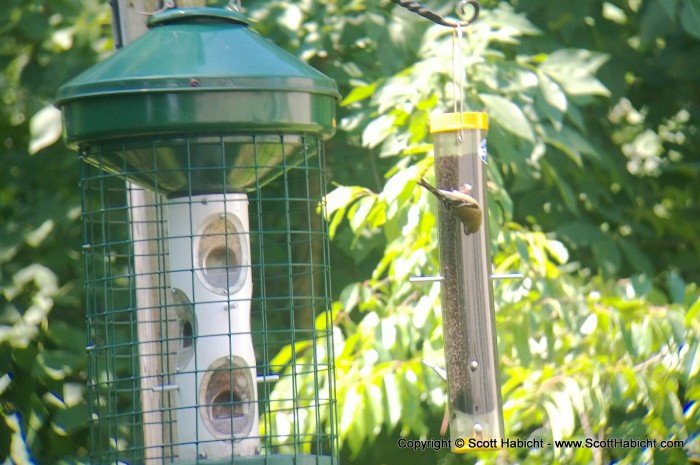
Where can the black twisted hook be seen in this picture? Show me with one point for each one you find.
(423, 11)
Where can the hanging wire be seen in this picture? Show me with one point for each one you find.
(457, 50)
(423, 11)
(458, 75)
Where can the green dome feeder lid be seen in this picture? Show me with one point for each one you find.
(198, 69)
(196, 72)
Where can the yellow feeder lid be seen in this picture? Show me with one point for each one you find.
(454, 121)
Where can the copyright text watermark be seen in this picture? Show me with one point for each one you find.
(509, 443)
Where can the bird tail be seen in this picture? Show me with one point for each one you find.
(424, 183)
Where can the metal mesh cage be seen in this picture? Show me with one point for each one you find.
(208, 298)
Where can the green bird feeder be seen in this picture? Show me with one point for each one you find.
(206, 254)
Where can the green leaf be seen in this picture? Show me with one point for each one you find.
(676, 287)
(584, 85)
(690, 17)
(378, 130)
(589, 324)
(675, 320)
(36, 237)
(566, 419)
(359, 93)
(45, 128)
(693, 312)
(351, 405)
(641, 284)
(581, 233)
(607, 255)
(392, 399)
(19, 451)
(565, 190)
(374, 405)
(359, 213)
(343, 196)
(552, 92)
(508, 23)
(558, 251)
(691, 361)
(67, 336)
(399, 185)
(521, 337)
(642, 338)
(554, 419)
(636, 257)
(568, 195)
(508, 115)
(56, 364)
(571, 59)
(670, 7)
(572, 143)
(574, 71)
(71, 419)
(287, 354)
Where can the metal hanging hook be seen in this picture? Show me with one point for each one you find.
(462, 13)
(166, 5)
(425, 12)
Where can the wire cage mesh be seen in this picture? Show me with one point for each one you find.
(208, 298)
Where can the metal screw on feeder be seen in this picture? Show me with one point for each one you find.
(223, 132)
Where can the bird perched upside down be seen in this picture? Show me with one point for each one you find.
(460, 204)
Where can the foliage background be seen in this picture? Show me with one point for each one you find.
(593, 196)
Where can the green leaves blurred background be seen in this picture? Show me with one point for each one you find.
(593, 166)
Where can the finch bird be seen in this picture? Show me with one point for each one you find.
(460, 204)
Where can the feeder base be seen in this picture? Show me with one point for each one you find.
(277, 459)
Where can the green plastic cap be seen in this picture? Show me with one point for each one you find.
(197, 71)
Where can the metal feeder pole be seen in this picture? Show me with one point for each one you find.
(129, 22)
(471, 353)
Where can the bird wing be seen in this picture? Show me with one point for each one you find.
(457, 200)
(452, 199)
